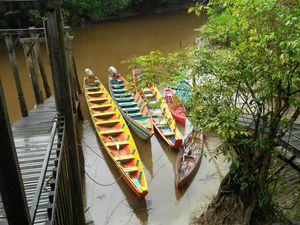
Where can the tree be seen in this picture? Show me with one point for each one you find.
(247, 63)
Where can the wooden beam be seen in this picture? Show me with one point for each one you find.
(37, 53)
(70, 70)
(36, 30)
(11, 183)
(29, 56)
(61, 81)
(14, 64)
(32, 40)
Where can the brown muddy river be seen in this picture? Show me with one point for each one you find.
(108, 199)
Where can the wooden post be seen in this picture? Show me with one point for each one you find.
(76, 74)
(56, 48)
(13, 62)
(72, 63)
(11, 184)
(29, 56)
(37, 53)
(70, 70)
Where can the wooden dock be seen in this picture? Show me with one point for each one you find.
(290, 141)
(31, 137)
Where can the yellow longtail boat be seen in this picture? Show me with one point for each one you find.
(162, 117)
(160, 113)
(115, 135)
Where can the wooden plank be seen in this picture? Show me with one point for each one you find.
(31, 135)
(11, 183)
(29, 56)
(32, 40)
(14, 64)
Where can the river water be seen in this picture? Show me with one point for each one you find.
(108, 199)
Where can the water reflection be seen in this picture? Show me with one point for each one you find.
(145, 152)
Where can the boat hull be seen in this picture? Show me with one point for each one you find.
(139, 120)
(189, 159)
(176, 107)
(115, 136)
(161, 115)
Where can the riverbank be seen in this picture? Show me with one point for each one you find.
(286, 198)
(134, 12)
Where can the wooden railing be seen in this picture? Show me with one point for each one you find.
(60, 210)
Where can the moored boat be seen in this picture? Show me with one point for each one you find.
(189, 158)
(132, 107)
(176, 107)
(115, 135)
(161, 115)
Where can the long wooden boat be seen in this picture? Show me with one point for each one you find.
(189, 158)
(175, 105)
(132, 107)
(115, 136)
(162, 117)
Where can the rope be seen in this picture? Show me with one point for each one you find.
(100, 184)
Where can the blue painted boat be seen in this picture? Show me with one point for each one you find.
(132, 107)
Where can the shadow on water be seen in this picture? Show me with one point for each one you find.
(128, 202)
(170, 153)
(135, 206)
(144, 149)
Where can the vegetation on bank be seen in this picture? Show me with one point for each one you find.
(24, 14)
(248, 62)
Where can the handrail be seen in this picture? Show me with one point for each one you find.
(37, 194)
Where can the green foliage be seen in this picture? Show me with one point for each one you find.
(15, 14)
(35, 17)
(92, 10)
(248, 63)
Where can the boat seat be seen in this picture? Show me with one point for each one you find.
(118, 85)
(104, 114)
(97, 99)
(142, 118)
(162, 125)
(156, 114)
(152, 102)
(101, 106)
(127, 104)
(147, 90)
(116, 81)
(128, 110)
(123, 157)
(134, 115)
(156, 110)
(93, 88)
(119, 90)
(110, 144)
(167, 132)
(95, 92)
(125, 99)
(130, 169)
(114, 131)
(107, 122)
(149, 95)
(137, 183)
(122, 95)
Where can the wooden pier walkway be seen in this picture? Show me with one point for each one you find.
(290, 141)
(31, 136)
